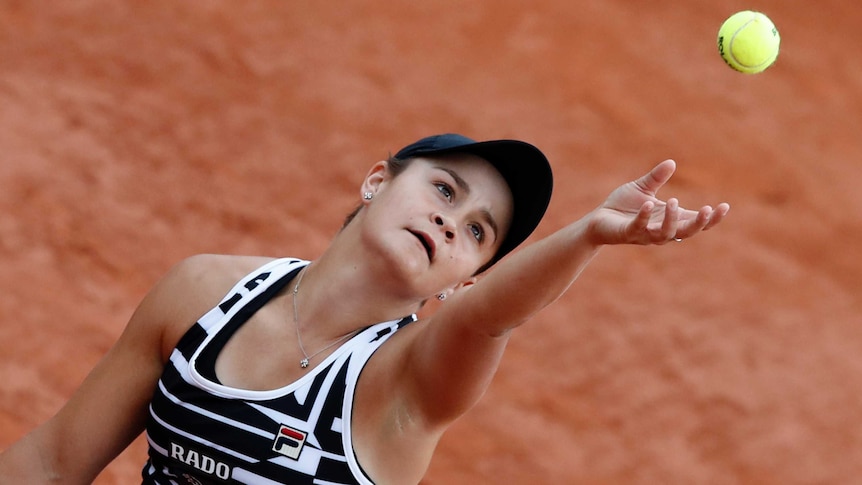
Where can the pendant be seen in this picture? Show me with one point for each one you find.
(303, 363)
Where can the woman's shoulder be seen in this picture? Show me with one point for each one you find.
(217, 268)
(213, 275)
(190, 288)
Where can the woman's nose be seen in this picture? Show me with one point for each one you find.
(446, 225)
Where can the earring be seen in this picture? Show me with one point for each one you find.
(441, 296)
(368, 195)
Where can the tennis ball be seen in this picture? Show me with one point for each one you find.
(748, 41)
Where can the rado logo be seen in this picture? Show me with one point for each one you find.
(201, 462)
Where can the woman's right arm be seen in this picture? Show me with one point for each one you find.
(109, 409)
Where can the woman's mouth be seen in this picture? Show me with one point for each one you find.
(426, 242)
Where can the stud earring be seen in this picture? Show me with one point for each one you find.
(368, 195)
(441, 296)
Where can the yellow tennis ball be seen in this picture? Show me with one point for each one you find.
(748, 41)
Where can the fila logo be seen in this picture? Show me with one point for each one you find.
(289, 441)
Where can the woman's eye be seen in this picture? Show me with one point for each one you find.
(477, 231)
(445, 190)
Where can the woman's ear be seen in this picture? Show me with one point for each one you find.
(460, 287)
(378, 174)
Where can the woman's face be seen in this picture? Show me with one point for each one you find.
(441, 219)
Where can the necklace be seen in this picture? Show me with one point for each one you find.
(304, 362)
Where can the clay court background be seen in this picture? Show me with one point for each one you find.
(134, 134)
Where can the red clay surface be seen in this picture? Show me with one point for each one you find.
(134, 134)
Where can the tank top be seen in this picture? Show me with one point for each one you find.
(202, 432)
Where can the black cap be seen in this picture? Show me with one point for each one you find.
(524, 167)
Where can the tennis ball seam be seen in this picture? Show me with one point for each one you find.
(730, 47)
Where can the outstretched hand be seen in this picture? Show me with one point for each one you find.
(633, 215)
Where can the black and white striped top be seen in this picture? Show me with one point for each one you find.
(201, 432)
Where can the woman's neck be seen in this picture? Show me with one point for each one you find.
(338, 296)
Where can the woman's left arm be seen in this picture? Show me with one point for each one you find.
(452, 363)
